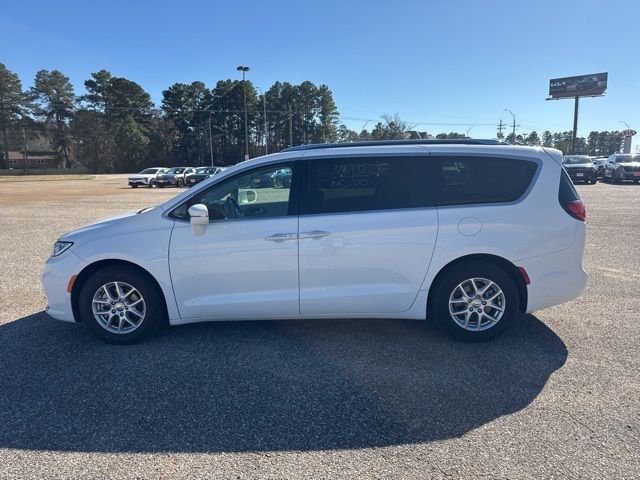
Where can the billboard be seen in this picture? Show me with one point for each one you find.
(580, 86)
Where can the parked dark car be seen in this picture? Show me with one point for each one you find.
(200, 174)
(282, 178)
(599, 163)
(262, 181)
(621, 167)
(174, 177)
(580, 168)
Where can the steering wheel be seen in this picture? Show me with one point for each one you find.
(233, 206)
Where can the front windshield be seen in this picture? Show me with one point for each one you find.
(576, 159)
(147, 171)
(175, 170)
(201, 170)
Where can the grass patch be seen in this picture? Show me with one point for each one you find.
(43, 178)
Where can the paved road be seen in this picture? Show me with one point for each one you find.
(557, 396)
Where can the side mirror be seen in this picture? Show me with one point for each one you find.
(247, 196)
(199, 218)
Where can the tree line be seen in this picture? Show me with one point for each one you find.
(115, 126)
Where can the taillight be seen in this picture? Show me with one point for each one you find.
(576, 209)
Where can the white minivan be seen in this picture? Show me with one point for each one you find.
(467, 232)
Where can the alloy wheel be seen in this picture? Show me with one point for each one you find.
(118, 307)
(477, 304)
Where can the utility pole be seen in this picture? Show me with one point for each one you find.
(264, 114)
(25, 152)
(290, 127)
(210, 140)
(501, 126)
(266, 131)
(246, 122)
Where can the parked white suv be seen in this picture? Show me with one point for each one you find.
(468, 232)
(146, 177)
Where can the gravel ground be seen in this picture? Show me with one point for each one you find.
(557, 396)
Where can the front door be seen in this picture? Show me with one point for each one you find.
(245, 264)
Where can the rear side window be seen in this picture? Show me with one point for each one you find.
(360, 184)
(467, 180)
(567, 192)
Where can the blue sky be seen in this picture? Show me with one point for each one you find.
(446, 62)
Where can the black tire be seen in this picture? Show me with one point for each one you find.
(152, 183)
(134, 186)
(180, 183)
(593, 181)
(155, 315)
(457, 274)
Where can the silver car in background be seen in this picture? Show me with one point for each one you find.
(146, 178)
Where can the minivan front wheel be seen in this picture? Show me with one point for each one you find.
(120, 305)
(475, 301)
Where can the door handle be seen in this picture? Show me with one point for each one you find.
(315, 234)
(281, 237)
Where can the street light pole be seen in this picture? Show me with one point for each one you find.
(514, 124)
(246, 122)
(469, 129)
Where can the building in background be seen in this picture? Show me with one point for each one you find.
(33, 160)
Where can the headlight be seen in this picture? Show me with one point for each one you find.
(60, 247)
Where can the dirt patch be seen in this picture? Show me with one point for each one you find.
(67, 190)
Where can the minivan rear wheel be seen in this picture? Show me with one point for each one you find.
(475, 301)
(121, 305)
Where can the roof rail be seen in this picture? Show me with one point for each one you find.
(378, 143)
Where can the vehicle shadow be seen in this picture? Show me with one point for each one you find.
(257, 386)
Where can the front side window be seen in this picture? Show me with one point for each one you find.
(254, 194)
(467, 180)
(360, 184)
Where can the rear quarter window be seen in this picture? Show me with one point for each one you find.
(469, 180)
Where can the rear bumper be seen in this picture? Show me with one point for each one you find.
(556, 277)
(193, 181)
(630, 176)
(582, 176)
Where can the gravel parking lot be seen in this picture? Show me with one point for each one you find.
(557, 396)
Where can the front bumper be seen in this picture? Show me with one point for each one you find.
(138, 181)
(166, 182)
(55, 279)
